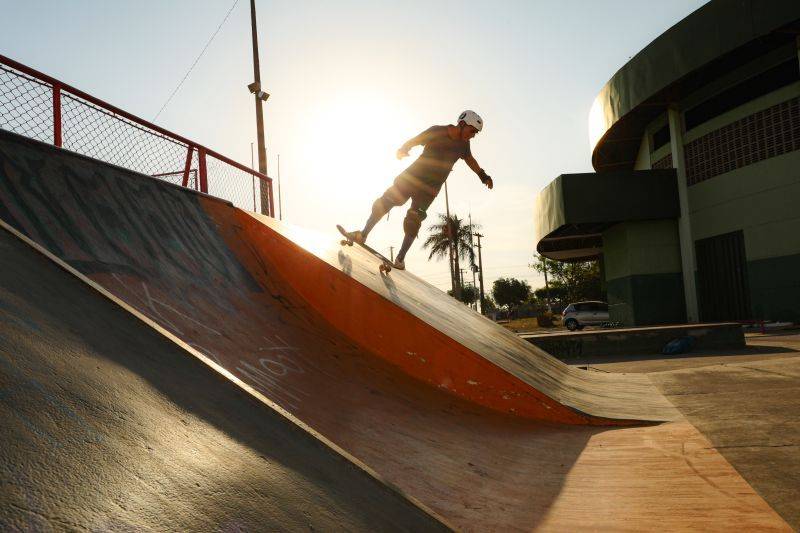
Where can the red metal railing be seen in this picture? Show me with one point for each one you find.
(41, 107)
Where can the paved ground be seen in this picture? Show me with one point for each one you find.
(747, 403)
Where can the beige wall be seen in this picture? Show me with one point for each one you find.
(763, 199)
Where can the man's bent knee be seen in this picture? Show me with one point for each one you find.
(382, 205)
(413, 221)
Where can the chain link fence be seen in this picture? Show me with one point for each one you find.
(26, 105)
(39, 107)
(241, 188)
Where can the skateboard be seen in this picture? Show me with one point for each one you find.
(386, 265)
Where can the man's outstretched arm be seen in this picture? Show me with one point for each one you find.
(476, 168)
(422, 138)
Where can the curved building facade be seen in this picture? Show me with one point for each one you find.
(694, 209)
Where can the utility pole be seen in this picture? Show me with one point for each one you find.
(260, 97)
(480, 273)
(453, 281)
(546, 285)
(472, 255)
(391, 253)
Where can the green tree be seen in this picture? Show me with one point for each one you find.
(469, 294)
(489, 306)
(510, 292)
(452, 232)
(570, 281)
(555, 293)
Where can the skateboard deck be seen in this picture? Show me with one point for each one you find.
(386, 264)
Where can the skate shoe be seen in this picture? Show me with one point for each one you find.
(356, 236)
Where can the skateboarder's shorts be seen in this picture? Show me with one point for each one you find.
(407, 186)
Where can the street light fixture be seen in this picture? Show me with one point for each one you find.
(255, 88)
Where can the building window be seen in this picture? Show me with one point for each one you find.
(664, 162)
(661, 137)
(771, 80)
(762, 135)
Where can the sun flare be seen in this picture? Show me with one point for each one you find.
(353, 144)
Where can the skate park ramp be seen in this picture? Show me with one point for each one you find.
(108, 425)
(168, 248)
(481, 427)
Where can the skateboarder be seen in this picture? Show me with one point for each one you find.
(423, 179)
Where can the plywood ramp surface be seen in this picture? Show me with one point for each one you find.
(435, 338)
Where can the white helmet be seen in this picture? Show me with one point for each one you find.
(471, 118)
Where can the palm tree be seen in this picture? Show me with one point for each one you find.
(452, 232)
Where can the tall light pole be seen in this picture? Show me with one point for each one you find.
(480, 273)
(260, 96)
(280, 203)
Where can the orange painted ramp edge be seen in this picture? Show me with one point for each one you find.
(323, 274)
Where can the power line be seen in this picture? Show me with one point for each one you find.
(203, 51)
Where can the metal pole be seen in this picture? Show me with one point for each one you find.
(472, 247)
(450, 237)
(186, 168)
(546, 285)
(57, 136)
(201, 159)
(252, 165)
(262, 147)
(391, 253)
(480, 273)
(280, 203)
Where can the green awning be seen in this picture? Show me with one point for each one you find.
(574, 210)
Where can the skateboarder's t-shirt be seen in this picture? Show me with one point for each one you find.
(438, 157)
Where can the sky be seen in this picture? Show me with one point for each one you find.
(350, 81)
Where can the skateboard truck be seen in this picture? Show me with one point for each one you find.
(386, 265)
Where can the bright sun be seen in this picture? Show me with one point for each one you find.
(354, 143)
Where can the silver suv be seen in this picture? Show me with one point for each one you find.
(581, 314)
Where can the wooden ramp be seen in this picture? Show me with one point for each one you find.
(483, 428)
(432, 337)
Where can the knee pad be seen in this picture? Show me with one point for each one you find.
(413, 221)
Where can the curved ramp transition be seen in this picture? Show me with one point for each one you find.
(108, 425)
